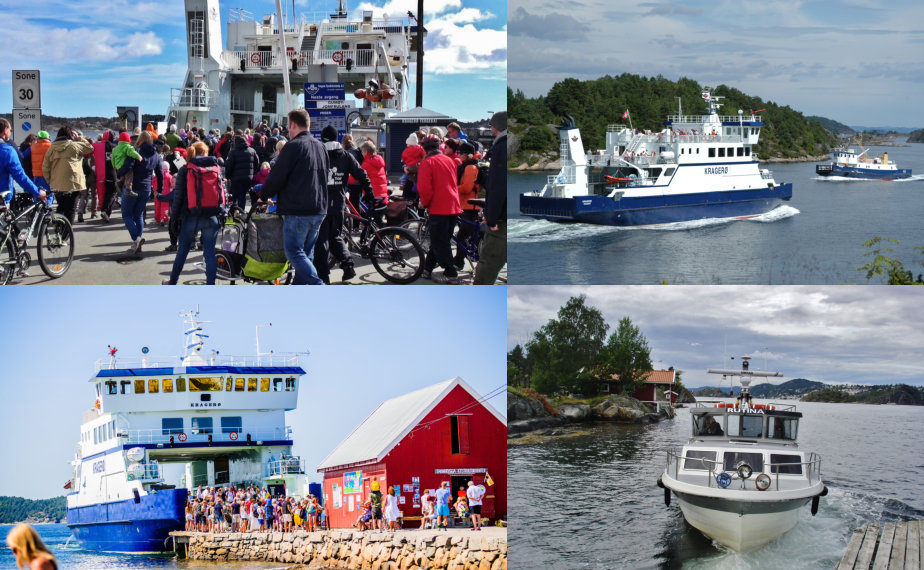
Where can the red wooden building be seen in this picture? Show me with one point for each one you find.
(414, 442)
(655, 380)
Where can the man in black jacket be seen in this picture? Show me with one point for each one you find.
(240, 166)
(494, 254)
(299, 178)
(330, 240)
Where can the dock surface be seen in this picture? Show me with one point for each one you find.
(897, 547)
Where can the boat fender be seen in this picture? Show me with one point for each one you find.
(816, 498)
(667, 493)
(182, 436)
(723, 480)
(762, 482)
(744, 470)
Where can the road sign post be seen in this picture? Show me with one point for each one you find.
(26, 122)
(27, 92)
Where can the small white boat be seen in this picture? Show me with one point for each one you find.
(741, 479)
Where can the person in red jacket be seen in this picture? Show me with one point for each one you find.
(374, 165)
(411, 158)
(436, 182)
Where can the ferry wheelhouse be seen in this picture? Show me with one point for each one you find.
(161, 428)
(849, 163)
(741, 479)
(244, 82)
(699, 166)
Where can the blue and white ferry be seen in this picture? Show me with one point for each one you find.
(160, 429)
(699, 166)
(849, 163)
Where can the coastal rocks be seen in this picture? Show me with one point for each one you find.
(574, 412)
(528, 414)
(344, 549)
(620, 408)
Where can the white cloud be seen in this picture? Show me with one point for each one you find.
(145, 44)
(402, 7)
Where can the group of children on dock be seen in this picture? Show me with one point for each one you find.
(251, 509)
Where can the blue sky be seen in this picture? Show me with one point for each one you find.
(367, 344)
(836, 334)
(855, 61)
(95, 56)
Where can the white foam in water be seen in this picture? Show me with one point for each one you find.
(912, 178)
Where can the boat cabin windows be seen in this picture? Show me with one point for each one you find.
(735, 458)
(201, 426)
(711, 153)
(111, 387)
(181, 384)
(251, 384)
(277, 384)
(264, 384)
(168, 384)
(739, 151)
(123, 386)
(139, 386)
(290, 384)
(785, 464)
(231, 424)
(153, 386)
(205, 384)
(171, 426)
(709, 424)
(698, 459)
(668, 172)
(238, 384)
(228, 383)
(745, 426)
(731, 151)
(721, 152)
(783, 428)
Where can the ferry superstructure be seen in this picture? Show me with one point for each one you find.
(161, 428)
(242, 83)
(699, 166)
(849, 163)
(741, 479)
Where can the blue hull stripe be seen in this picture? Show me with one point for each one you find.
(656, 209)
(126, 526)
(854, 172)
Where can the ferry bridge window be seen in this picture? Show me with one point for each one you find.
(783, 428)
(228, 383)
(252, 384)
(709, 424)
(201, 425)
(694, 459)
(755, 460)
(139, 386)
(111, 387)
(205, 384)
(231, 424)
(277, 384)
(181, 384)
(153, 386)
(123, 385)
(238, 384)
(168, 385)
(264, 384)
(745, 426)
(290, 384)
(785, 464)
(171, 426)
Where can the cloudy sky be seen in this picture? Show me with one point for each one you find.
(838, 334)
(96, 55)
(855, 61)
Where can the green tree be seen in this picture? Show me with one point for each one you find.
(889, 268)
(626, 357)
(564, 346)
(518, 367)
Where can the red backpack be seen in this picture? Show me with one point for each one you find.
(205, 193)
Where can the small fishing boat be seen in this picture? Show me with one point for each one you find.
(849, 163)
(741, 479)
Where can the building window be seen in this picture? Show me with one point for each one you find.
(458, 428)
(201, 425)
(139, 386)
(264, 384)
(181, 384)
(153, 386)
(252, 384)
(205, 384)
(168, 384)
(231, 424)
(290, 384)
(111, 387)
(171, 426)
(238, 384)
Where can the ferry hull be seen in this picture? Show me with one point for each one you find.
(740, 525)
(127, 526)
(854, 172)
(662, 209)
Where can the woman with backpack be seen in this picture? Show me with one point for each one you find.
(133, 205)
(196, 201)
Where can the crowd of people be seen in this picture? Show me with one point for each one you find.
(307, 181)
(251, 509)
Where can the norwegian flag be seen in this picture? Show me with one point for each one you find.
(625, 115)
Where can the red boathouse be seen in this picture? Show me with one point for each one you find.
(414, 442)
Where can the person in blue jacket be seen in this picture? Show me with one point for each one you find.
(11, 167)
(133, 206)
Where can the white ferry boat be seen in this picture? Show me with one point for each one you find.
(699, 166)
(849, 163)
(213, 420)
(741, 479)
(355, 69)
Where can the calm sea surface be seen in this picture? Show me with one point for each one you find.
(813, 239)
(592, 501)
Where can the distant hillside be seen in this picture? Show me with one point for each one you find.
(901, 394)
(916, 136)
(791, 389)
(17, 509)
(834, 126)
(902, 130)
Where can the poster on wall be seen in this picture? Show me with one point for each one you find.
(408, 488)
(353, 482)
(350, 505)
(338, 496)
(401, 500)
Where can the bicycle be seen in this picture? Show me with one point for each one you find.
(25, 219)
(470, 246)
(395, 252)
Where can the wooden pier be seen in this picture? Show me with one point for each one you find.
(899, 547)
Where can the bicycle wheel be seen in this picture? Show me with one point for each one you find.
(7, 259)
(55, 246)
(397, 255)
(420, 230)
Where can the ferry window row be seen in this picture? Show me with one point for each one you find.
(705, 460)
(741, 151)
(99, 434)
(204, 426)
(210, 384)
(746, 426)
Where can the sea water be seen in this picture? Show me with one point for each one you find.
(592, 501)
(815, 238)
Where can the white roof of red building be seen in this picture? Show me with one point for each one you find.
(379, 433)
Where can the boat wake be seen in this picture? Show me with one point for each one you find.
(528, 231)
(912, 178)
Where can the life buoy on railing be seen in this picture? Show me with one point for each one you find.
(762, 482)
(233, 436)
(182, 436)
(255, 58)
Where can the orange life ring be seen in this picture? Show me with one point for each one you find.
(233, 436)
(726, 405)
(182, 436)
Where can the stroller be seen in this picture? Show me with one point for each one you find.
(250, 248)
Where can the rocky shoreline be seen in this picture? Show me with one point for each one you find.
(526, 414)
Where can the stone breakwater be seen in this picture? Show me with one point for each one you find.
(455, 549)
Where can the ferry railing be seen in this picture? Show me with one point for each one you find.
(144, 472)
(699, 119)
(190, 97)
(810, 468)
(214, 359)
(284, 466)
(711, 404)
(202, 435)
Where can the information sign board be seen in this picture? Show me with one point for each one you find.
(325, 91)
(320, 118)
(26, 122)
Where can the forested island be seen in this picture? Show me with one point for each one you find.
(916, 136)
(812, 391)
(17, 509)
(594, 104)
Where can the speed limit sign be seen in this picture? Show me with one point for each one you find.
(26, 89)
